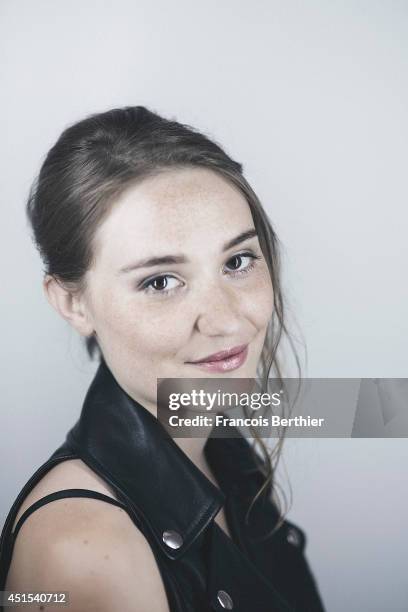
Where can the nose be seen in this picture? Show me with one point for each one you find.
(219, 311)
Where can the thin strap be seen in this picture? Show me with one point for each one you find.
(60, 495)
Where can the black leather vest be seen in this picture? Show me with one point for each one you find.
(165, 492)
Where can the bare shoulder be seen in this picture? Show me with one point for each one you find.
(69, 474)
(91, 549)
(85, 546)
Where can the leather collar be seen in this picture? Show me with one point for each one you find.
(123, 442)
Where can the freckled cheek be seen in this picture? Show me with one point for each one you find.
(148, 328)
(257, 300)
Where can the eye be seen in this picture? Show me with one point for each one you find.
(242, 263)
(160, 284)
(163, 285)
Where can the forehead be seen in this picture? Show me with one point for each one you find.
(177, 209)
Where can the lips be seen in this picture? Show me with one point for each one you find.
(221, 355)
(224, 361)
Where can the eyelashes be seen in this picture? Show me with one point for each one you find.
(239, 256)
(158, 285)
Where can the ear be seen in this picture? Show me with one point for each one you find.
(71, 306)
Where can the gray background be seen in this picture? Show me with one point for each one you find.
(312, 98)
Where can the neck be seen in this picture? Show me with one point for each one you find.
(194, 449)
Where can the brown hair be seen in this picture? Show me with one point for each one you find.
(91, 163)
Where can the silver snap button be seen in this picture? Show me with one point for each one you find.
(225, 600)
(293, 537)
(172, 539)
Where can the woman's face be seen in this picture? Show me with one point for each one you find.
(177, 278)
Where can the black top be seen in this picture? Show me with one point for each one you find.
(174, 505)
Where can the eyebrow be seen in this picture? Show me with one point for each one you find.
(179, 259)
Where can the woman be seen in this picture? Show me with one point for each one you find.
(158, 252)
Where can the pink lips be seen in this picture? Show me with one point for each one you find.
(224, 361)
